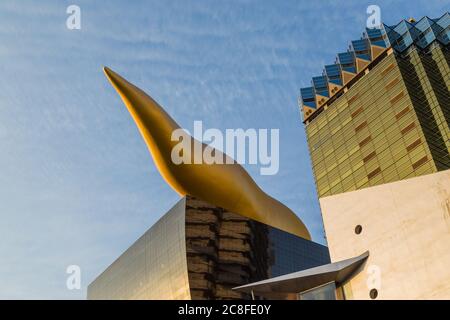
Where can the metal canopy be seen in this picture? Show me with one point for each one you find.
(303, 280)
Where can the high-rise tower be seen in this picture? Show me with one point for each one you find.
(381, 112)
(378, 129)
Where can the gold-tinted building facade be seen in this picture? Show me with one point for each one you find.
(154, 267)
(390, 121)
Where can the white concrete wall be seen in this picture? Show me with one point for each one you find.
(406, 228)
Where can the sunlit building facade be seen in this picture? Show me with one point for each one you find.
(381, 112)
(200, 251)
(378, 129)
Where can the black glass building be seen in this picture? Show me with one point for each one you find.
(200, 251)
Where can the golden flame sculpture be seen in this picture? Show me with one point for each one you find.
(225, 185)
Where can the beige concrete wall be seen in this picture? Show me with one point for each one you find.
(406, 228)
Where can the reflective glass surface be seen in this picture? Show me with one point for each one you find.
(200, 251)
(392, 124)
(226, 250)
(154, 267)
(325, 292)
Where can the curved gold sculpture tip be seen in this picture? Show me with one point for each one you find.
(226, 185)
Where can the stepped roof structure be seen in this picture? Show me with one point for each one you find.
(364, 53)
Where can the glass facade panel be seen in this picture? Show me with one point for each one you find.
(201, 251)
(368, 135)
(226, 250)
(325, 292)
(154, 267)
(397, 96)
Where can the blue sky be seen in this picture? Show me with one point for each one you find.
(77, 184)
